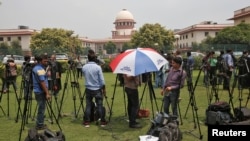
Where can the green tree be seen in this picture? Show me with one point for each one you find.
(16, 48)
(54, 40)
(127, 45)
(110, 47)
(4, 48)
(154, 36)
(239, 34)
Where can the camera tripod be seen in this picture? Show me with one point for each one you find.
(9, 80)
(152, 96)
(49, 107)
(241, 76)
(26, 92)
(192, 101)
(75, 90)
(113, 97)
(214, 91)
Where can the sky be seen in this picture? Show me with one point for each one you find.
(94, 18)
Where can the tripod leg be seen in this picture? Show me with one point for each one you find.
(50, 111)
(179, 110)
(63, 94)
(24, 117)
(53, 114)
(248, 97)
(111, 107)
(1, 99)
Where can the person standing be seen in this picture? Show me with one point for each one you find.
(79, 67)
(10, 75)
(131, 84)
(95, 89)
(205, 67)
(212, 60)
(190, 65)
(40, 88)
(174, 82)
(55, 71)
(165, 70)
(230, 63)
(220, 68)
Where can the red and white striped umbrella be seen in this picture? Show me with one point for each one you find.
(137, 61)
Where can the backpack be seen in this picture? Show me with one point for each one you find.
(166, 127)
(219, 113)
(47, 135)
(170, 132)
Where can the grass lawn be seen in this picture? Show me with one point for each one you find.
(193, 127)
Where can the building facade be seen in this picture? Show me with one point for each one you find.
(241, 15)
(22, 34)
(186, 37)
(124, 28)
(122, 32)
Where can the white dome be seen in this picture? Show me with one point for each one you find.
(124, 14)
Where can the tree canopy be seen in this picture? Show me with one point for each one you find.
(51, 40)
(110, 47)
(239, 34)
(154, 36)
(13, 48)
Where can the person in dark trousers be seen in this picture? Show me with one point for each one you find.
(131, 84)
(95, 89)
(55, 71)
(212, 60)
(220, 67)
(40, 88)
(173, 84)
(190, 64)
(228, 58)
(79, 65)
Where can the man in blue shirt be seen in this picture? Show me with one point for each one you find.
(95, 88)
(190, 65)
(229, 61)
(40, 88)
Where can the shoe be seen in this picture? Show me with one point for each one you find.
(135, 126)
(104, 123)
(179, 99)
(86, 124)
(41, 127)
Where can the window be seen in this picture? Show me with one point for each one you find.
(206, 33)
(9, 38)
(1, 38)
(216, 33)
(192, 35)
(19, 38)
(186, 36)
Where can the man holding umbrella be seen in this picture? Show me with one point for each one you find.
(131, 84)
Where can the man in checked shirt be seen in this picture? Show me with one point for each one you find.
(171, 88)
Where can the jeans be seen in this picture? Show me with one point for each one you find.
(79, 72)
(97, 94)
(171, 98)
(41, 103)
(133, 104)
